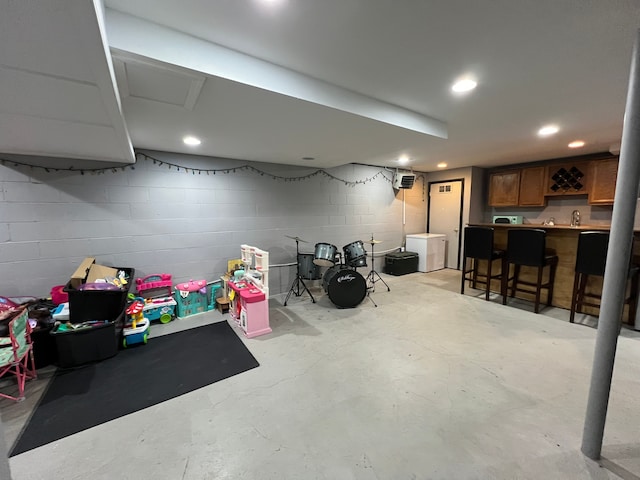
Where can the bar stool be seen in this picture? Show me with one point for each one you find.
(591, 259)
(478, 245)
(527, 247)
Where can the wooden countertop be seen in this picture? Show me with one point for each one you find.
(605, 228)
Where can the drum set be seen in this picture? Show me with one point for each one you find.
(344, 285)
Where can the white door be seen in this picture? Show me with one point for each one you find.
(445, 216)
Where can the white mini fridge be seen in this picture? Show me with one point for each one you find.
(430, 247)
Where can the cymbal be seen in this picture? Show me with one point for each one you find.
(297, 239)
(373, 242)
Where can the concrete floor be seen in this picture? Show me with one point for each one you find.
(428, 385)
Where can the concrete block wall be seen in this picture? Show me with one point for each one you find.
(158, 219)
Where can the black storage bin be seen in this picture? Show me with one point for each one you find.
(98, 304)
(45, 351)
(86, 345)
(401, 263)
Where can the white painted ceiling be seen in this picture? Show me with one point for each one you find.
(58, 97)
(339, 80)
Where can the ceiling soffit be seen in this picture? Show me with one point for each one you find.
(148, 40)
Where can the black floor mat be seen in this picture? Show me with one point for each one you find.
(136, 378)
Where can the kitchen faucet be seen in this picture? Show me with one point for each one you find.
(575, 218)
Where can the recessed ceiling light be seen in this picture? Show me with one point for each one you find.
(464, 85)
(442, 165)
(191, 141)
(548, 130)
(403, 159)
(273, 3)
(576, 144)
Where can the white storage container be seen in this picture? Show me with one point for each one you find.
(430, 247)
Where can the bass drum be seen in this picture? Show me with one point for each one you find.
(346, 287)
(355, 255)
(308, 269)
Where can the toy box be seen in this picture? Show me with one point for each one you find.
(191, 298)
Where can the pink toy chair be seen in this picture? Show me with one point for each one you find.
(16, 354)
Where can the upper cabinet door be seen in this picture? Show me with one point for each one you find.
(532, 184)
(603, 187)
(504, 188)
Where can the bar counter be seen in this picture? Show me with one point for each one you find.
(604, 228)
(563, 239)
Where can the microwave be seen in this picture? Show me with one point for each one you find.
(512, 219)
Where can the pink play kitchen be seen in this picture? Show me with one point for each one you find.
(249, 293)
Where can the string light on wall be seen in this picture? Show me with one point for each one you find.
(82, 171)
(262, 173)
(208, 171)
(424, 185)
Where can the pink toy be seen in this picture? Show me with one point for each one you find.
(193, 286)
(58, 295)
(135, 312)
(250, 309)
(161, 280)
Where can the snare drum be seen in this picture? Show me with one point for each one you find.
(308, 269)
(346, 287)
(325, 254)
(355, 255)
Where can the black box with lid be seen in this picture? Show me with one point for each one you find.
(87, 305)
(401, 263)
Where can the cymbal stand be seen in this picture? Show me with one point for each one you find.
(298, 287)
(374, 276)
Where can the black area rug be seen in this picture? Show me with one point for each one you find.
(136, 378)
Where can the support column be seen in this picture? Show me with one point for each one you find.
(5, 472)
(615, 277)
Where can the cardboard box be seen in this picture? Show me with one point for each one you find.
(78, 277)
(89, 271)
(233, 265)
(100, 271)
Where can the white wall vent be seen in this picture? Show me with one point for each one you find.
(403, 180)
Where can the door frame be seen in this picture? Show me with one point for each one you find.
(461, 210)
